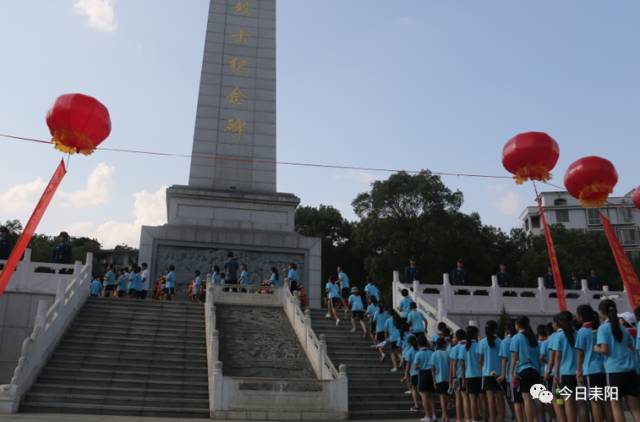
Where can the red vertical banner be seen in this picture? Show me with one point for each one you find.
(553, 259)
(30, 228)
(625, 268)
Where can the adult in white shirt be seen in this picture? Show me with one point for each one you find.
(145, 279)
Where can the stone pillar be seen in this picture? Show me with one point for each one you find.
(496, 294)
(585, 291)
(416, 290)
(543, 294)
(307, 327)
(322, 350)
(447, 292)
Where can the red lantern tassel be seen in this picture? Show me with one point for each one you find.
(30, 228)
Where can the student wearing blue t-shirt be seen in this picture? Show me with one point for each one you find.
(589, 364)
(565, 358)
(292, 276)
(405, 303)
(333, 299)
(513, 394)
(393, 333)
(197, 286)
(371, 312)
(357, 311)
(457, 376)
(345, 286)
(617, 347)
(110, 283)
(417, 322)
(274, 278)
(122, 283)
(489, 349)
(371, 290)
(95, 288)
(215, 275)
(410, 371)
(472, 371)
(380, 319)
(543, 341)
(170, 284)
(136, 282)
(441, 373)
(426, 385)
(525, 360)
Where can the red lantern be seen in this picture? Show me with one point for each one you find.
(530, 156)
(591, 180)
(636, 197)
(78, 123)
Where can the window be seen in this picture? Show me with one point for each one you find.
(562, 216)
(593, 217)
(626, 214)
(560, 202)
(628, 236)
(535, 222)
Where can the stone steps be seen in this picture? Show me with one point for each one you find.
(130, 358)
(374, 391)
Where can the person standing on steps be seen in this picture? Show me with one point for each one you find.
(417, 322)
(197, 286)
(333, 299)
(410, 371)
(95, 288)
(441, 375)
(457, 375)
(170, 285)
(405, 303)
(371, 312)
(345, 284)
(244, 278)
(357, 311)
(292, 276)
(231, 266)
(472, 372)
(380, 319)
(489, 350)
(146, 278)
(393, 334)
(423, 365)
(109, 282)
(122, 284)
(371, 289)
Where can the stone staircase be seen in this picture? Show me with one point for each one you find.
(374, 391)
(127, 357)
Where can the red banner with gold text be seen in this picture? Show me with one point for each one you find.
(625, 268)
(553, 259)
(30, 228)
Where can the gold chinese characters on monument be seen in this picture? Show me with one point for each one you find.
(237, 66)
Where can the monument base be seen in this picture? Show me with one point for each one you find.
(204, 225)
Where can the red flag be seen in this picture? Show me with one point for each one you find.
(625, 268)
(30, 228)
(553, 259)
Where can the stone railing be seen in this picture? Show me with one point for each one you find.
(49, 328)
(265, 399)
(39, 277)
(448, 303)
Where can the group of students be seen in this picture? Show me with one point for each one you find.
(126, 282)
(592, 350)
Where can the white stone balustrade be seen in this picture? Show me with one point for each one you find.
(457, 305)
(49, 328)
(40, 277)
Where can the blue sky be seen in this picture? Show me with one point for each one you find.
(397, 84)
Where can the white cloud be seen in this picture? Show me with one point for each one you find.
(21, 197)
(149, 208)
(99, 189)
(509, 203)
(100, 13)
(359, 176)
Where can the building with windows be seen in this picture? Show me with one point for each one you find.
(562, 208)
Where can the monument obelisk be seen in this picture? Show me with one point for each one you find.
(231, 202)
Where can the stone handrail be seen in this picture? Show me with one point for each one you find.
(50, 326)
(444, 299)
(30, 277)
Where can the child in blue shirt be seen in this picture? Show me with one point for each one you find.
(244, 278)
(371, 290)
(215, 275)
(122, 284)
(471, 370)
(371, 312)
(292, 276)
(617, 347)
(135, 281)
(564, 350)
(357, 311)
(405, 303)
(490, 364)
(440, 372)
(411, 372)
(170, 284)
(422, 366)
(109, 281)
(525, 358)
(392, 328)
(197, 286)
(457, 376)
(333, 299)
(95, 289)
(380, 319)
(416, 321)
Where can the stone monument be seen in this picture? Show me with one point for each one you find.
(231, 202)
